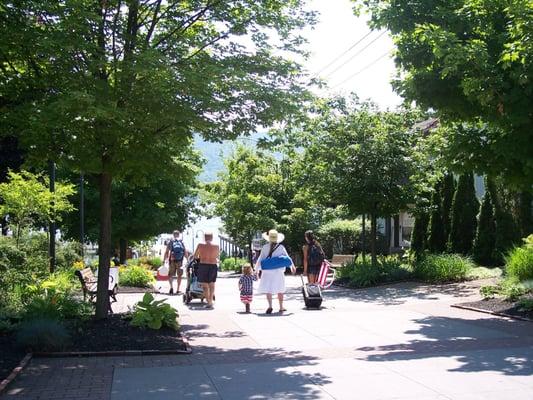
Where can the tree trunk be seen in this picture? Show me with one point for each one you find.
(363, 239)
(373, 234)
(123, 247)
(52, 226)
(104, 245)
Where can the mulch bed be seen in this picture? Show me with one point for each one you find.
(131, 289)
(10, 356)
(116, 334)
(499, 306)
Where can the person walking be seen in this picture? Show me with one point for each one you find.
(246, 286)
(272, 262)
(207, 255)
(313, 257)
(174, 254)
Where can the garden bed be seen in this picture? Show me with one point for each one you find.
(116, 334)
(10, 355)
(498, 306)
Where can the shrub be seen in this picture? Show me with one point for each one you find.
(67, 253)
(361, 273)
(154, 314)
(42, 334)
(488, 292)
(525, 305)
(232, 264)
(443, 268)
(155, 262)
(342, 236)
(54, 298)
(519, 263)
(484, 273)
(136, 276)
(512, 290)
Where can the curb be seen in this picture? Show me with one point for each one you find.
(496, 313)
(16, 371)
(115, 353)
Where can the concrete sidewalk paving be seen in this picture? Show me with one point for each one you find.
(400, 341)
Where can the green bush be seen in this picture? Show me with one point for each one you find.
(54, 298)
(489, 291)
(525, 305)
(233, 264)
(154, 314)
(136, 276)
(42, 334)
(361, 273)
(519, 263)
(341, 236)
(438, 268)
(512, 290)
(155, 262)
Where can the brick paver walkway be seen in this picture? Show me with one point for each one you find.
(401, 341)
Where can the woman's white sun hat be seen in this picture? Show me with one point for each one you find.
(273, 236)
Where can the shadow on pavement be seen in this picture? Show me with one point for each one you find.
(469, 342)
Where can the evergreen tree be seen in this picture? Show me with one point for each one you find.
(419, 235)
(507, 231)
(525, 214)
(486, 231)
(436, 238)
(464, 216)
(448, 189)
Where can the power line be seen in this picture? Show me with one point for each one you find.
(342, 54)
(362, 69)
(356, 54)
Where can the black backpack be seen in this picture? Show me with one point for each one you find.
(178, 249)
(315, 254)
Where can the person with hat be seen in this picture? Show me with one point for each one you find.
(272, 262)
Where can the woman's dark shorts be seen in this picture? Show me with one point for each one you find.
(313, 269)
(207, 273)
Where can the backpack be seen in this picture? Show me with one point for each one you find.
(315, 254)
(178, 249)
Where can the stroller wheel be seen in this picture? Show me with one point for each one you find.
(184, 298)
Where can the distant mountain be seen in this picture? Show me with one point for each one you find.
(214, 154)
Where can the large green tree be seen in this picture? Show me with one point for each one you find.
(361, 157)
(471, 60)
(114, 88)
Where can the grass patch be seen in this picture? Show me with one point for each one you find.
(440, 268)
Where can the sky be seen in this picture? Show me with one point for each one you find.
(337, 30)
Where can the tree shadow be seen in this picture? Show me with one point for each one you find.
(491, 344)
(391, 294)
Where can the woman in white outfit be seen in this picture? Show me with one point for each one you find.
(273, 279)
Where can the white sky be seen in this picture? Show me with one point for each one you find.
(337, 30)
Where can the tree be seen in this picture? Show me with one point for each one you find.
(11, 158)
(419, 235)
(243, 196)
(436, 241)
(485, 240)
(448, 190)
(27, 201)
(465, 208)
(362, 158)
(116, 88)
(471, 61)
(507, 232)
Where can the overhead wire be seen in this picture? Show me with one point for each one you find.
(363, 69)
(356, 54)
(342, 54)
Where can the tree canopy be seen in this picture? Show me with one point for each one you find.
(471, 60)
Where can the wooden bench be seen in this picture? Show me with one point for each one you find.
(89, 285)
(339, 260)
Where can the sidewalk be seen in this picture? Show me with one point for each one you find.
(394, 342)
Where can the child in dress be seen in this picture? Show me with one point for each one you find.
(246, 285)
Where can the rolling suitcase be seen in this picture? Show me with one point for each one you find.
(312, 294)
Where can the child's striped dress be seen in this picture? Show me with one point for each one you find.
(246, 286)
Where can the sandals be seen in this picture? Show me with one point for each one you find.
(269, 310)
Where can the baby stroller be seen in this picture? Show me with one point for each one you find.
(194, 289)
